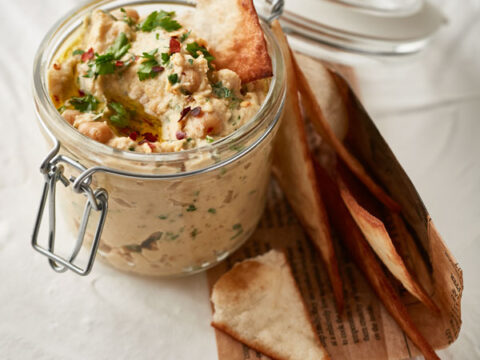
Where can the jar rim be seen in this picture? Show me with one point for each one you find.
(59, 128)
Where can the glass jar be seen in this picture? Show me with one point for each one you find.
(162, 214)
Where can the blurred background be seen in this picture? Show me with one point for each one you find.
(417, 71)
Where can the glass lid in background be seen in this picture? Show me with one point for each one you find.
(374, 27)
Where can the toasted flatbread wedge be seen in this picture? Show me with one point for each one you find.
(258, 303)
(316, 116)
(235, 37)
(377, 236)
(327, 94)
(367, 262)
(293, 168)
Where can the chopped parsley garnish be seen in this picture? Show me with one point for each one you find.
(162, 19)
(126, 18)
(61, 109)
(209, 139)
(173, 78)
(221, 91)
(212, 211)
(185, 36)
(105, 64)
(133, 248)
(121, 118)
(150, 67)
(78, 52)
(120, 46)
(191, 208)
(239, 230)
(85, 103)
(194, 49)
(165, 58)
(194, 233)
(190, 61)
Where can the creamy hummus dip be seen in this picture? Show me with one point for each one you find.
(148, 85)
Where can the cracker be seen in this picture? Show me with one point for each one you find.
(367, 262)
(258, 303)
(235, 37)
(293, 168)
(376, 234)
(316, 116)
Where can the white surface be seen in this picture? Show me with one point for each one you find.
(427, 108)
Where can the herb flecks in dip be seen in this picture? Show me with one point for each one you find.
(148, 85)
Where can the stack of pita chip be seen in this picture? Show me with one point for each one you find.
(257, 302)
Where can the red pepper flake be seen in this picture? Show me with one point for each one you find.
(81, 93)
(119, 63)
(133, 135)
(209, 130)
(152, 146)
(157, 69)
(56, 98)
(196, 111)
(174, 45)
(150, 137)
(56, 66)
(190, 98)
(180, 135)
(184, 113)
(87, 55)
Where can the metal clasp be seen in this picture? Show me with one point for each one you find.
(52, 169)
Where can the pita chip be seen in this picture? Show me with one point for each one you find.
(258, 303)
(293, 168)
(317, 117)
(235, 37)
(327, 95)
(367, 262)
(377, 236)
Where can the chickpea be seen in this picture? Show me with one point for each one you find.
(98, 131)
(229, 79)
(70, 115)
(208, 124)
(191, 80)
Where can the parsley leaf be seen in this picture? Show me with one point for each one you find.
(220, 91)
(185, 36)
(85, 103)
(121, 117)
(161, 19)
(191, 208)
(193, 48)
(150, 67)
(165, 58)
(105, 64)
(78, 52)
(119, 47)
(173, 78)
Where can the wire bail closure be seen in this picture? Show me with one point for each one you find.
(52, 170)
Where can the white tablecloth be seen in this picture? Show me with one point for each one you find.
(426, 107)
